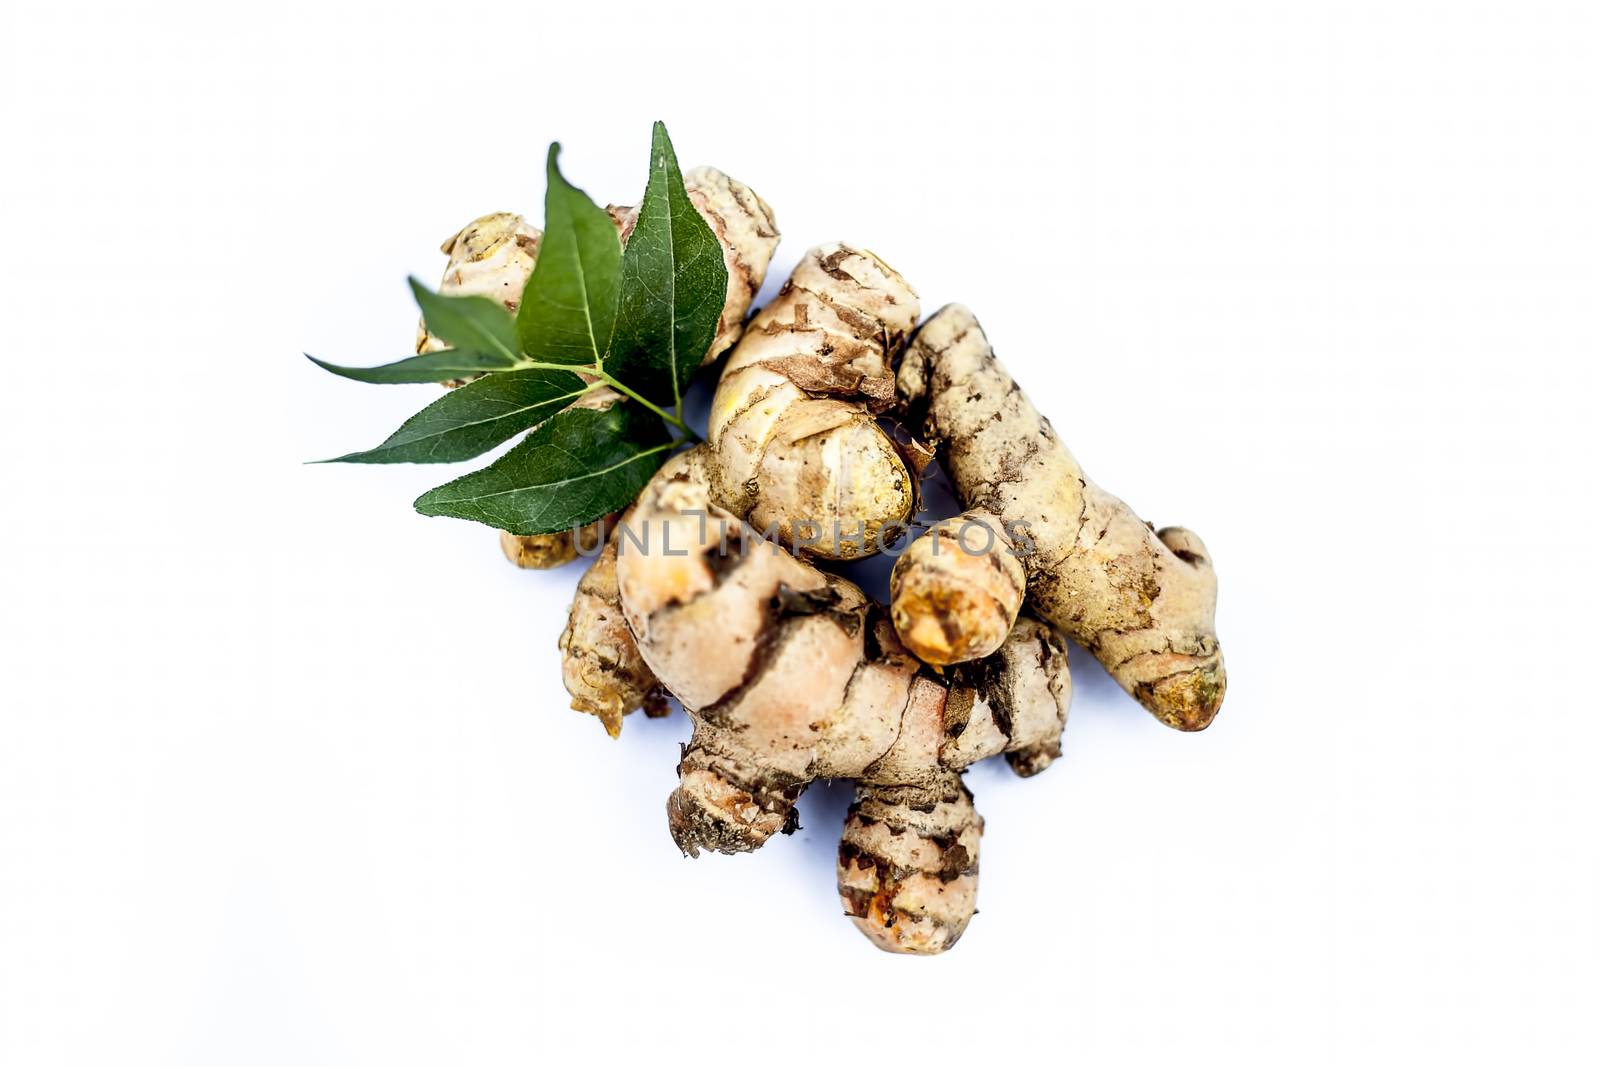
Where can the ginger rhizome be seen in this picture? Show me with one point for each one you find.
(540, 552)
(1141, 600)
(491, 256)
(791, 674)
(956, 591)
(798, 449)
(494, 256)
(600, 663)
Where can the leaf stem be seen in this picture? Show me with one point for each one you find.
(673, 419)
(602, 378)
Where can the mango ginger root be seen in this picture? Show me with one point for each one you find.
(798, 449)
(1141, 600)
(540, 552)
(790, 674)
(600, 664)
(956, 591)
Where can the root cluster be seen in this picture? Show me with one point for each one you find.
(712, 588)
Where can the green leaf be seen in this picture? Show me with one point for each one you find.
(674, 283)
(570, 301)
(428, 367)
(578, 466)
(475, 323)
(469, 421)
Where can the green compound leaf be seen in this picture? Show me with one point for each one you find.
(580, 465)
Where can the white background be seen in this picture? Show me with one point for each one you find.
(286, 772)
